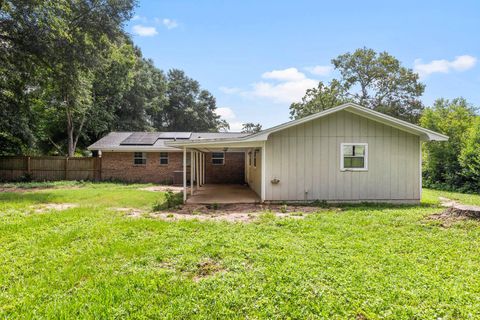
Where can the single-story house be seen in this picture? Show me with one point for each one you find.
(344, 154)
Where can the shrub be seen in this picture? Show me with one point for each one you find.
(172, 200)
(442, 165)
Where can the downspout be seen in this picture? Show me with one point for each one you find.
(264, 175)
(184, 174)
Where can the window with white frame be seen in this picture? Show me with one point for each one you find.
(255, 158)
(163, 158)
(354, 156)
(139, 158)
(218, 158)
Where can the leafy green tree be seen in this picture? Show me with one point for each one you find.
(378, 81)
(251, 127)
(318, 99)
(19, 80)
(144, 100)
(371, 79)
(112, 81)
(441, 165)
(69, 39)
(187, 106)
(470, 157)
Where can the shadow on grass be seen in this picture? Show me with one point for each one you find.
(366, 205)
(30, 197)
(385, 205)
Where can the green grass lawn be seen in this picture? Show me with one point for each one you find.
(361, 262)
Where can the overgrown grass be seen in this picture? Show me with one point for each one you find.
(431, 196)
(363, 261)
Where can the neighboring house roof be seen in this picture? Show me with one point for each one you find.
(424, 134)
(154, 141)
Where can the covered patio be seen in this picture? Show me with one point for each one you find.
(223, 194)
(200, 192)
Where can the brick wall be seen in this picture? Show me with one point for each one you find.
(233, 171)
(119, 166)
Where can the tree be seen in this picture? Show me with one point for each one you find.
(318, 99)
(441, 165)
(69, 40)
(383, 84)
(251, 127)
(187, 106)
(470, 157)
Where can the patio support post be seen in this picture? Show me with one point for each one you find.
(192, 170)
(203, 168)
(184, 174)
(197, 163)
(263, 173)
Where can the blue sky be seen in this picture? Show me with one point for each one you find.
(256, 57)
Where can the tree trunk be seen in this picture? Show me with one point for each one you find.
(71, 146)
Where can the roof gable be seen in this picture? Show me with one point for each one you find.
(425, 134)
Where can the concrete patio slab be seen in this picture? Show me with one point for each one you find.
(222, 194)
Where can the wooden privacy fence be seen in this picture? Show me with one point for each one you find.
(50, 168)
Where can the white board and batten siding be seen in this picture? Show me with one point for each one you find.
(254, 172)
(306, 160)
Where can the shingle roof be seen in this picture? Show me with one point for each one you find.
(154, 140)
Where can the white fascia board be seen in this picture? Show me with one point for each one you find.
(137, 149)
(217, 144)
(426, 134)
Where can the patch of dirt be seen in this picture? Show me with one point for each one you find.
(455, 212)
(207, 268)
(447, 218)
(53, 206)
(131, 212)
(163, 188)
(234, 212)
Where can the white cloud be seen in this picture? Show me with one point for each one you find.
(460, 63)
(230, 116)
(280, 86)
(139, 18)
(289, 74)
(144, 31)
(284, 92)
(170, 23)
(226, 113)
(235, 126)
(230, 90)
(320, 70)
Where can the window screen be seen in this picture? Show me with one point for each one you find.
(218, 157)
(164, 158)
(139, 158)
(354, 156)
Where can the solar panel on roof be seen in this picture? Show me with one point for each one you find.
(175, 135)
(141, 138)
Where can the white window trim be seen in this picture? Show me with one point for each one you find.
(342, 167)
(223, 159)
(144, 156)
